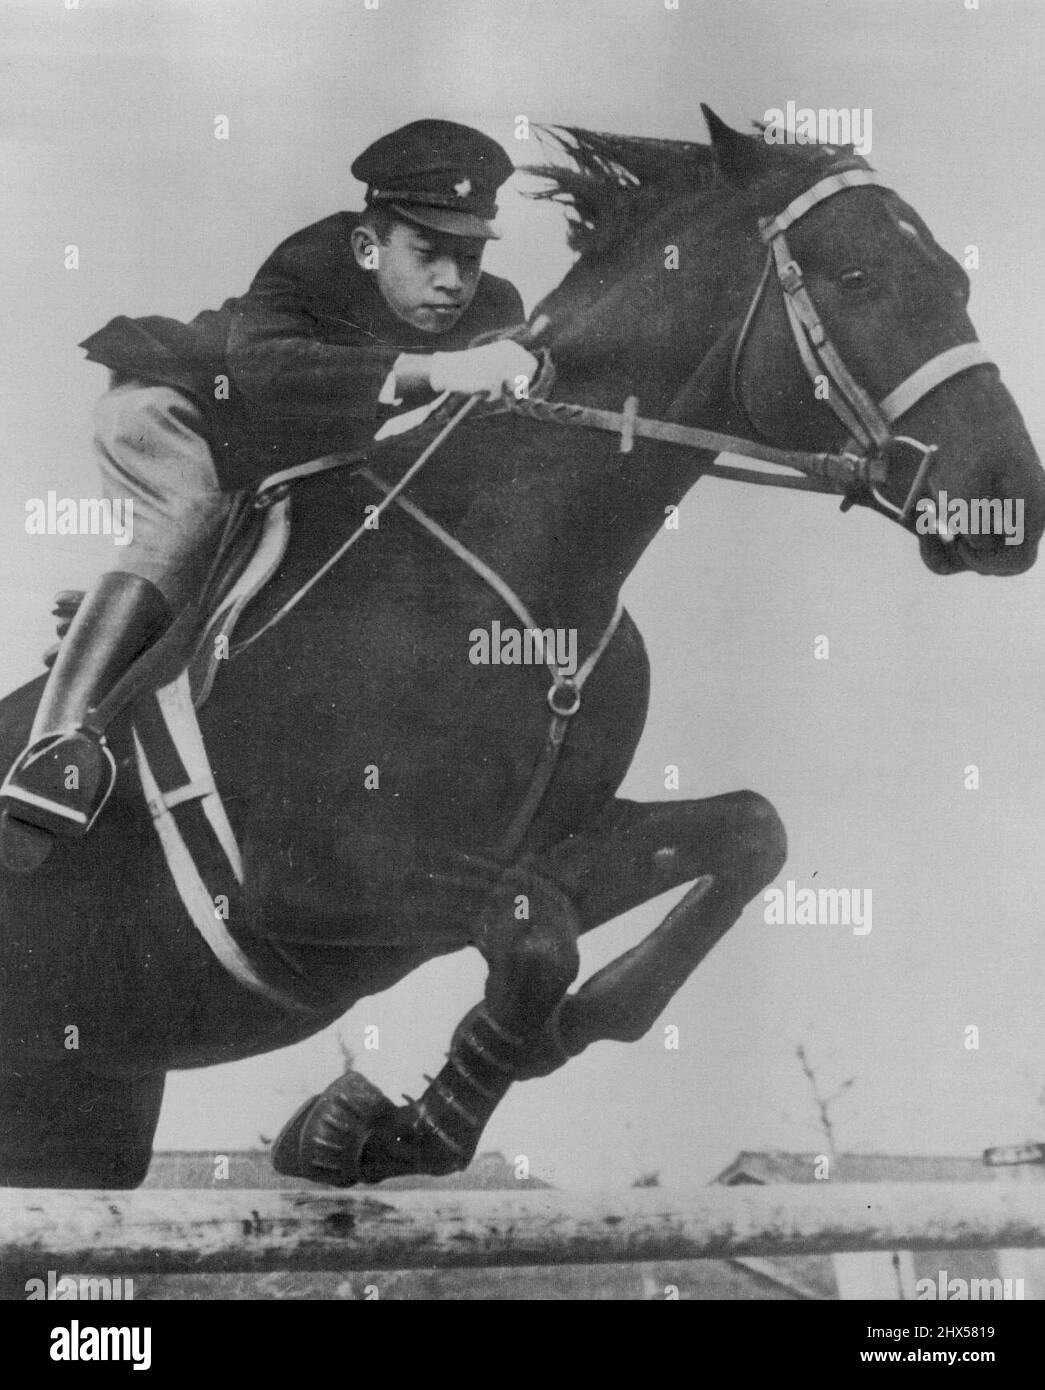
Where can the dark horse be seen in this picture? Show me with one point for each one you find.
(371, 770)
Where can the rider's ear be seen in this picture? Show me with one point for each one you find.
(363, 243)
(740, 157)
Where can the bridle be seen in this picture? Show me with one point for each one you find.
(869, 424)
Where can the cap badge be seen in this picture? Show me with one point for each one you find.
(463, 188)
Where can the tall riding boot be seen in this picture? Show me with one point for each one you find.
(63, 778)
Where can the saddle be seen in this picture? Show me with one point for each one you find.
(180, 792)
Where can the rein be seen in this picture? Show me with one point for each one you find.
(825, 472)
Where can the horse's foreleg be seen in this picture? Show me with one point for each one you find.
(526, 927)
(529, 938)
(528, 921)
(736, 843)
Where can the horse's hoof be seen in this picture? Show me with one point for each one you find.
(286, 1151)
(325, 1138)
(23, 847)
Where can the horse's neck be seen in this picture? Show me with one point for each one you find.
(674, 355)
(562, 514)
(620, 502)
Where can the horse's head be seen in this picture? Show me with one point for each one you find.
(893, 304)
(686, 293)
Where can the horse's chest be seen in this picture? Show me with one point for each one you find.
(505, 747)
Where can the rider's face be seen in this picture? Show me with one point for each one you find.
(428, 278)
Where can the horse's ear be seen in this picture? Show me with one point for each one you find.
(739, 156)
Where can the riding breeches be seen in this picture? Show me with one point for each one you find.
(152, 450)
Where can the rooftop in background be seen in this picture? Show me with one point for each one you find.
(251, 1168)
(851, 1276)
(776, 1166)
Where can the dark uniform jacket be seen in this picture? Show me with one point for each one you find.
(305, 352)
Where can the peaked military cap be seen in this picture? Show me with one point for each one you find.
(437, 173)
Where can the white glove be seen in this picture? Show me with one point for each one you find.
(490, 369)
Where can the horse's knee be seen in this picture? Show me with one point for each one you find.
(532, 971)
(761, 845)
(548, 960)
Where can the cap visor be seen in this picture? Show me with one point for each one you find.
(447, 221)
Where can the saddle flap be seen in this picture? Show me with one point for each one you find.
(264, 553)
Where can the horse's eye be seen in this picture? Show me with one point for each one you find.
(855, 279)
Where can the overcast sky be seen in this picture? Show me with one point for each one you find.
(107, 113)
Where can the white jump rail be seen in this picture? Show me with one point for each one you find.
(238, 1231)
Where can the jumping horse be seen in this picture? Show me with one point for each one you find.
(392, 800)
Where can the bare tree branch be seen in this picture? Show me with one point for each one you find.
(823, 1102)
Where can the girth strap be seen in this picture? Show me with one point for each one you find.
(199, 843)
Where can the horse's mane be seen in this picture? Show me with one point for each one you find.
(617, 181)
